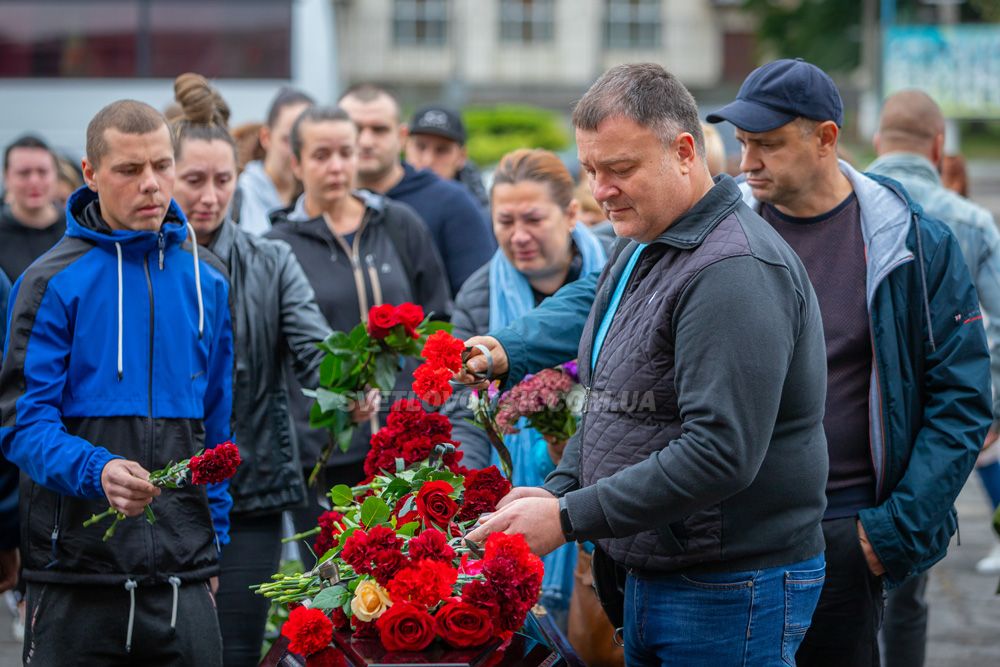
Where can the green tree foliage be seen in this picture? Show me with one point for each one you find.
(495, 131)
(828, 32)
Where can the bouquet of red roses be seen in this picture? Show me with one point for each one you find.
(367, 357)
(391, 561)
(208, 466)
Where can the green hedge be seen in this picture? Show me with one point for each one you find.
(495, 131)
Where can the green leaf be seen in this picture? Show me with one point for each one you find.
(344, 438)
(397, 488)
(437, 325)
(408, 529)
(400, 464)
(374, 511)
(386, 367)
(359, 336)
(331, 400)
(319, 419)
(341, 495)
(331, 598)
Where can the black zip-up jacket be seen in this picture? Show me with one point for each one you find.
(391, 259)
(276, 324)
(702, 445)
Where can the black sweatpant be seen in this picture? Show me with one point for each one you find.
(251, 557)
(845, 625)
(75, 625)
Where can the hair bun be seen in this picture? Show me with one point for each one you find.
(200, 102)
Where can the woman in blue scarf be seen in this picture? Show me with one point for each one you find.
(542, 247)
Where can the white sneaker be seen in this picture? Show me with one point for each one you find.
(990, 564)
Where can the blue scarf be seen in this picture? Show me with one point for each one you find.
(510, 298)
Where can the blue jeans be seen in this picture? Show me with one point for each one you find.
(755, 618)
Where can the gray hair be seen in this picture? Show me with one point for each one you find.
(648, 95)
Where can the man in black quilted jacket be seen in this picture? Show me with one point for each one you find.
(709, 488)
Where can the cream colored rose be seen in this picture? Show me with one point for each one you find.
(370, 601)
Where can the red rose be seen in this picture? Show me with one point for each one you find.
(435, 504)
(405, 627)
(410, 316)
(381, 320)
(308, 630)
(431, 383)
(426, 582)
(215, 465)
(444, 350)
(328, 657)
(462, 625)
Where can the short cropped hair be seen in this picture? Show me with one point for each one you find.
(369, 92)
(314, 115)
(646, 94)
(25, 141)
(126, 116)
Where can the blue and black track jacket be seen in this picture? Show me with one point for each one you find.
(119, 345)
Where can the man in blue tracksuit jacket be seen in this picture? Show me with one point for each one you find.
(118, 361)
(926, 402)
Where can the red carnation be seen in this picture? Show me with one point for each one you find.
(435, 504)
(410, 316)
(483, 490)
(339, 619)
(431, 383)
(215, 465)
(405, 627)
(365, 629)
(308, 630)
(381, 320)
(361, 547)
(387, 563)
(427, 583)
(431, 545)
(328, 657)
(463, 625)
(444, 350)
(329, 530)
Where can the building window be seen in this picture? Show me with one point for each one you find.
(633, 24)
(420, 22)
(145, 38)
(527, 21)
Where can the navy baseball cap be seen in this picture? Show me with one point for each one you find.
(777, 93)
(439, 121)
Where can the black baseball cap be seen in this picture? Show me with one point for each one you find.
(777, 93)
(439, 121)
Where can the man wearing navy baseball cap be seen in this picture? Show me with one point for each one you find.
(908, 388)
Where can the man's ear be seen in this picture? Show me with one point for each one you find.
(265, 137)
(88, 174)
(826, 134)
(685, 151)
(464, 156)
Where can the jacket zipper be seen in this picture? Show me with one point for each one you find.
(880, 470)
(353, 253)
(149, 418)
(55, 533)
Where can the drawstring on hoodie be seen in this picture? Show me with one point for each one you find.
(118, 247)
(197, 281)
(175, 582)
(130, 587)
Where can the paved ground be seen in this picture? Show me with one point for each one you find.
(964, 608)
